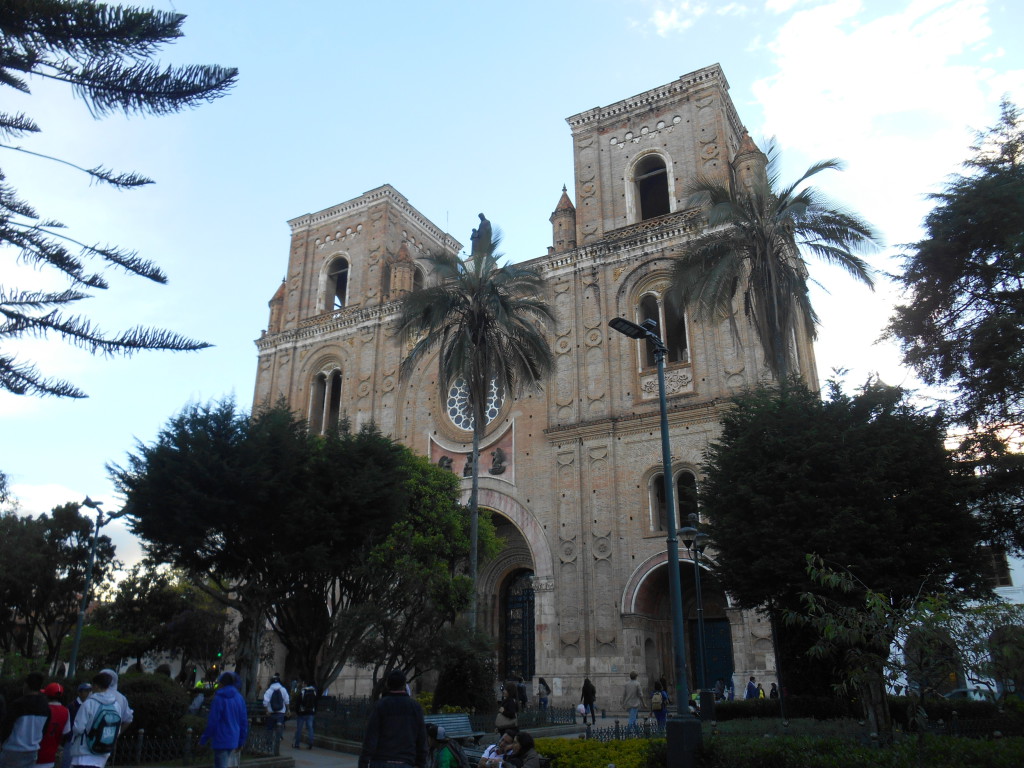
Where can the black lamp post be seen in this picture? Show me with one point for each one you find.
(695, 542)
(683, 730)
(73, 662)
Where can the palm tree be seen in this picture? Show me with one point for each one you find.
(757, 230)
(488, 324)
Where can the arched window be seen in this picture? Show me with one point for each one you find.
(325, 401)
(337, 285)
(671, 322)
(651, 179)
(686, 499)
(417, 278)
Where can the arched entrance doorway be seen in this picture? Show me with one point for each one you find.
(517, 631)
(651, 609)
(506, 587)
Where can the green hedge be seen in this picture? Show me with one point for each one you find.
(159, 703)
(805, 752)
(789, 752)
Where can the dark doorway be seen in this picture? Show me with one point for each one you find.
(518, 627)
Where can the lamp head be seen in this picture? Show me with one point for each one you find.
(628, 328)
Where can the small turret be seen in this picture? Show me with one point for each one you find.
(563, 225)
(750, 165)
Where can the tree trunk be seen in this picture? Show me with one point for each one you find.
(876, 706)
(247, 657)
(474, 511)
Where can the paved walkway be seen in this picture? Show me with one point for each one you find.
(318, 757)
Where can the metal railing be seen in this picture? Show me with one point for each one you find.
(137, 748)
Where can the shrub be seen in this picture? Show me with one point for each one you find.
(809, 752)
(578, 753)
(159, 703)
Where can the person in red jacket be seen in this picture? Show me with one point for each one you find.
(57, 730)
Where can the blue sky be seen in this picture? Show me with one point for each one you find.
(461, 106)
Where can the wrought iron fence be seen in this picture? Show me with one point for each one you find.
(645, 728)
(137, 748)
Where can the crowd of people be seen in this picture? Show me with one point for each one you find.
(37, 726)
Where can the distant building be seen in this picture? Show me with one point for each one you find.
(572, 476)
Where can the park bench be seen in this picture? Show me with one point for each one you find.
(457, 726)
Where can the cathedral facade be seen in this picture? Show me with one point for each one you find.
(572, 474)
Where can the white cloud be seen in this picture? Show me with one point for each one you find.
(732, 9)
(895, 94)
(677, 18)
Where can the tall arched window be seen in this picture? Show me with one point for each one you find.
(651, 179)
(325, 401)
(671, 327)
(686, 499)
(337, 285)
(417, 278)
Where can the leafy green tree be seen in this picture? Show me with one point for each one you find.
(467, 672)
(105, 54)
(322, 535)
(863, 480)
(962, 325)
(154, 609)
(757, 230)
(236, 489)
(487, 323)
(43, 577)
(421, 565)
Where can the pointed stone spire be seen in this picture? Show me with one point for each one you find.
(563, 225)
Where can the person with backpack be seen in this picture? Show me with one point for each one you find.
(659, 705)
(444, 752)
(100, 720)
(227, 725)
(275, 700)
(305, 710)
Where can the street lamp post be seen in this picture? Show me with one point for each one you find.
(682, 730)
(73, 662)
(695, 542)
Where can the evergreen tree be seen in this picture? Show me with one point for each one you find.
(104, 53)
(962, 324)
(865, 481)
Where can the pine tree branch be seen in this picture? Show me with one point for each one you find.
(99, 173)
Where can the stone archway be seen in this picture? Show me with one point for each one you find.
(647, 608)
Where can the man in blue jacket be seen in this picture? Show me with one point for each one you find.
(228, 723)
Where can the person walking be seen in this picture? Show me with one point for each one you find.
(508, 708)
(543, 692)
(774, 692)
(84, 689)
(587, 697)
(24, 725)
(632, 698)
(305, 713)
(659, 705)
(227, 725)
(275, 701)
(99, 722)
(396, 734)
(57, 730)
(751, 692)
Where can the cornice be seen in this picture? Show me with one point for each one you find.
(652, 99)
(373, 197)
(679, 415)
(328, 322)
